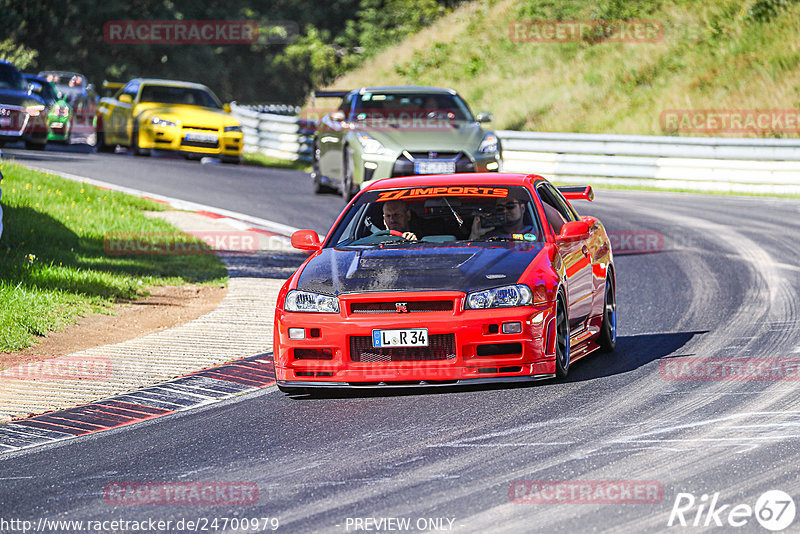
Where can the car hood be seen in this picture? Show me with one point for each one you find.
(443, 137)
(18, 98)
(435, 268)
(185, 114)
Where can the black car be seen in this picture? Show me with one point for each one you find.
(23, 116)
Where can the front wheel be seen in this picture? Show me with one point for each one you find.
(608, 331)
(562, 339)
(135, 145)
(348, 188)
(101, 143)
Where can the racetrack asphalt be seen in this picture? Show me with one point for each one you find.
(701, 279)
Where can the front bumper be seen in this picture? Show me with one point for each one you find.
(466, 346)
(179, 139)
(16, 124)
(370, 167)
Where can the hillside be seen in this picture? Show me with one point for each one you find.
(720, 55)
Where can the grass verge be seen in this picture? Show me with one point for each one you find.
(53, 264)
(256, 158)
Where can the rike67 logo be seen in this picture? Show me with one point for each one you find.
(774, 510)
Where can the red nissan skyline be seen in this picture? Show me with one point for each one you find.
(447, 279)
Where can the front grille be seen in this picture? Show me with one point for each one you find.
(405, 167)
(410, 306)
(198, 144)
(205, 128)
(441, 347)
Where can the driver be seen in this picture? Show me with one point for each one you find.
(397, 216)
(514, 210)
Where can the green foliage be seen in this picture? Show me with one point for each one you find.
(20, 55)
(321, 43)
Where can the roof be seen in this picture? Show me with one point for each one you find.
(173, 83)
(481, 178)
(406, 89)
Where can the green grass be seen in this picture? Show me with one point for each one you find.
(256, 158)
(53, 265)
(714, 54)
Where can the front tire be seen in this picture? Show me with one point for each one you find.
(316, 175)
(562, 339)
(348, 188)
(608, 330)
(135, 144)
(101, 143)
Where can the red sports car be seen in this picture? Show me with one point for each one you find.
(447, 279)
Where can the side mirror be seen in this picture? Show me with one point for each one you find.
(573, 231)
(306, 240)
(226, 107)
(34, 87)
(125, 98)
(484, 116)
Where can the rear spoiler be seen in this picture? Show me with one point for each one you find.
(112, 85)
(577, 192)
(331, 94)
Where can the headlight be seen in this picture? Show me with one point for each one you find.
(161, 122)
(303, 301)
(34, 111)
(371, 145)
(501, 297)
(489, 144)
(233, 128)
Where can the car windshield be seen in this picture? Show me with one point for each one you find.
(402, 106)
(167, 94)
(10, 78)
(439, 214)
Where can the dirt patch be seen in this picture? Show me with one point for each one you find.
(167, 306)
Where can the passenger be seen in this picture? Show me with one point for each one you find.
(514, 211)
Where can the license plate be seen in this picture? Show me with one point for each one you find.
(406, 337)
(201, 137)
(434, 167)
(5, 121)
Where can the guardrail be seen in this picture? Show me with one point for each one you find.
(769, 166)
(285, 137)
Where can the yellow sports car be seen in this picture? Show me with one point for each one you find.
(148, 114)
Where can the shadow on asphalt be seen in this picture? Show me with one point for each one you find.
(632, 353)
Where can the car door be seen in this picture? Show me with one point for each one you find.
(120, 119)
(575, 255)
(330, 140)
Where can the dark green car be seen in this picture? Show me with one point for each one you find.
(382, 132)
(59, 112)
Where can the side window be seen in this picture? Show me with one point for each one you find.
(344, 107)
(131, 89)
(556, 209)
